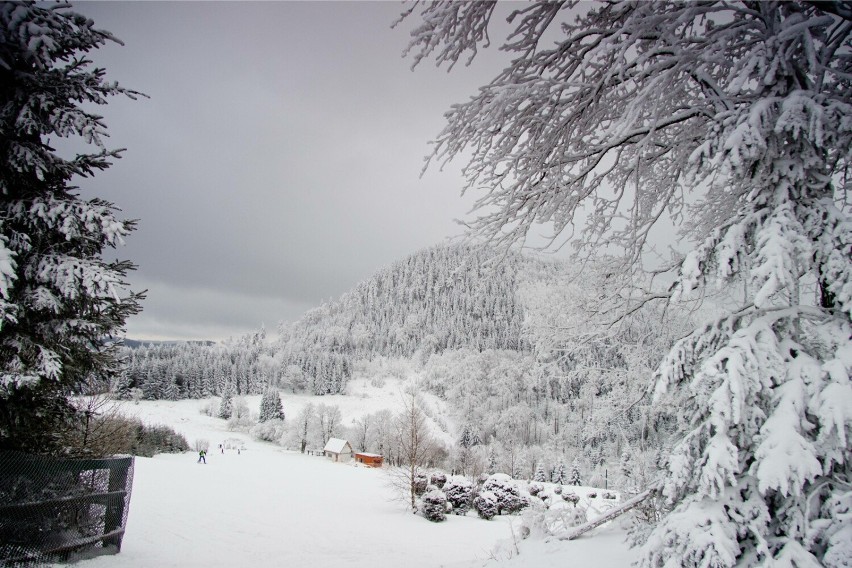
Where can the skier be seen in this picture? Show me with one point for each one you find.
(201, 456)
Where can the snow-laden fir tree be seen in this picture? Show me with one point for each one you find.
(559, 475)
(62, 305)
(226, 405)
(270, 406)
(733, 119)
(540, 475)
(574, 477)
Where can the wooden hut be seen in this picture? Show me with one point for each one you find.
(338, 450)
(372, 460)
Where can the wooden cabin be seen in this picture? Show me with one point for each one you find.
(337, 449)
(372, 460)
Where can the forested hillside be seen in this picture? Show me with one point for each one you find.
(531, 366)
(444, 297)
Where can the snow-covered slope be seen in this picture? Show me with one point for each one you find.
(269, 507)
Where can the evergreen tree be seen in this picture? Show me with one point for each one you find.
(226, 405)
(540, 474)
(574, 476)
(61, 304)
(559, 475)
(270, 406)
(491, 467)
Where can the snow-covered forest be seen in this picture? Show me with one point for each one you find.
(525, 373)
(691, 347)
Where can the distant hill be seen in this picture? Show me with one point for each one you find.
(440, 298)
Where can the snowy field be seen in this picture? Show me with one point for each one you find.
(267, 506)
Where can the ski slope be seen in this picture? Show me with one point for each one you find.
(267, 507)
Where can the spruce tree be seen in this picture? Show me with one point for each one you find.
(540, 475)
(559, 474)
(270, 406)
(62, 306)
(226, 405)
(574, 476)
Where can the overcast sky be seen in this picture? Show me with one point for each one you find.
(277, 161)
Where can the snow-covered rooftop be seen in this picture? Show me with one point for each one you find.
(336, 445)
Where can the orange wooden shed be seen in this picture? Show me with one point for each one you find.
(372, 460)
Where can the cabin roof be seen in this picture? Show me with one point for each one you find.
(336, 445)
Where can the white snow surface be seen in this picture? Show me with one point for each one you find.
(268, 506)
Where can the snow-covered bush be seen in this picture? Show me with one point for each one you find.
(420, 483)
(438, 479)
(570, 497)
(240, 419)
(485, 504)
(268, 431)
(534, 488)
(459, 492)
(509, 497)
(433, 505)
(210, 408)
(558, 490)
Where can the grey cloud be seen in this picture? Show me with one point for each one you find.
(277, 161)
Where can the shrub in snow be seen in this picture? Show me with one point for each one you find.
(535, 488)
(420, 483)
(558, 490)
(269, 431)
(459, 492)
(485, 505)
(609, 495)
(593, 495)
(433, 505)
(509, 497)
(571, 497)
(240, 424)
(575, 516)
(210, 408)
(438, 479)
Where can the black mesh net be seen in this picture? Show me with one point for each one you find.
(55, 509)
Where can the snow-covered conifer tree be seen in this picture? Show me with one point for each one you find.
(270, 406)
(559, 474)
(540, 474)
(62, 305)
(574, 476)
(226, 405)
(734, 119)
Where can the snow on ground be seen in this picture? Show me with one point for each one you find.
(268, 506)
